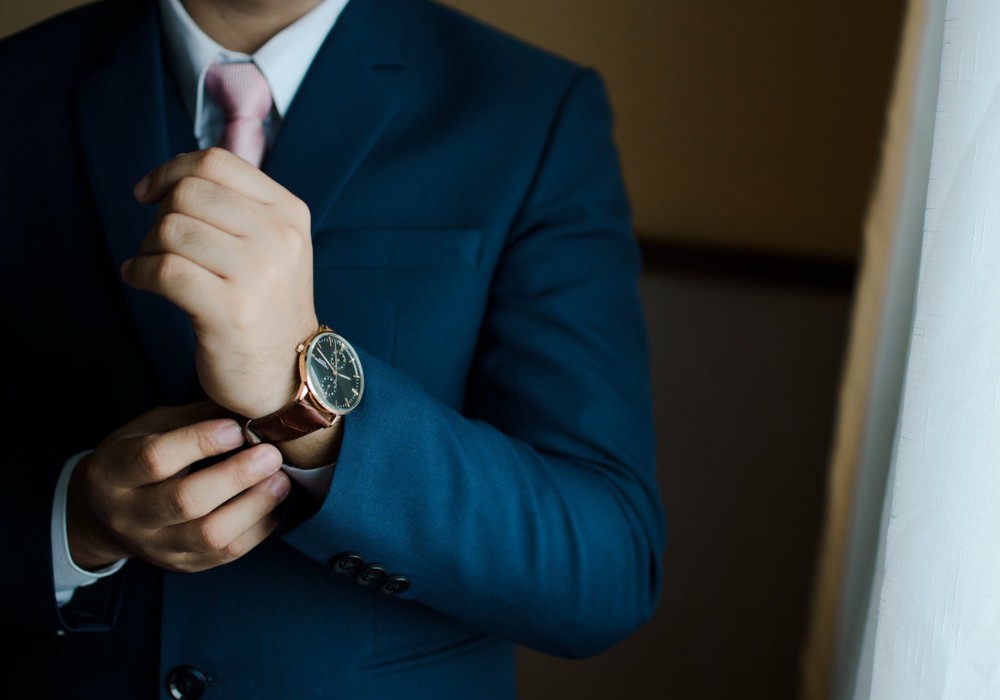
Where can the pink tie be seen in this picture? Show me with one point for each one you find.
(242, 92)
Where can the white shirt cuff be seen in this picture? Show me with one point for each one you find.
(66, 575)
(315, 481)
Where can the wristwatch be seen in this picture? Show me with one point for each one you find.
(331, 385)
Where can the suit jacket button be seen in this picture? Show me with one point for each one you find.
(394, 585)
(348, 563)
(186, 683)
(372, 575)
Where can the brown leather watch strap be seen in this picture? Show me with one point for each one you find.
(288, 423)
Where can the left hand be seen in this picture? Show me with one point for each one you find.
(233, 249)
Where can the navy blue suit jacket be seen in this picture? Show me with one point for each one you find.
(472, 239)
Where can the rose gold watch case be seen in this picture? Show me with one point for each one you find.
(308, 388)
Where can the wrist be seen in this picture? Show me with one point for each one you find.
(91, 546)
(320, 448)
(254, 384)
(279, 394)
(330, 385)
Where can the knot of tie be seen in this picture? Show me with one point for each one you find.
(242, 92)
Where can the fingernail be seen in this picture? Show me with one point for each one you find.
(125, 267)
(266, 460)
(141, 188)
(280, 485)
(230, 435)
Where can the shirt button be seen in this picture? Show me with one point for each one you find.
(348, 563)
(372, 575)
(186, 683)
(394, 585)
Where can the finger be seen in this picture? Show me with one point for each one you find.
(217, 531)
(259, 532)
(196, 290)
(215, 164)
(156, 457)
(218, 205)
(165, 418)
(200, 561)
(192, 496)
(203, 244)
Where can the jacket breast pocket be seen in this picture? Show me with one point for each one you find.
(413, 298)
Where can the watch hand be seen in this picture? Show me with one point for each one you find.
(327, 361)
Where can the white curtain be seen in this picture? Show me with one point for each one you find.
(913, 544)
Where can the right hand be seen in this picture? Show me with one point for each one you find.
(135, 495)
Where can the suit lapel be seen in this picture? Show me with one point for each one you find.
(123, 128)
(340, 110)
(343, 105)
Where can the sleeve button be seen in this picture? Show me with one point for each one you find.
(372, 575)
(348, 563)
(394, 585)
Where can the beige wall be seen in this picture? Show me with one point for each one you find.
(748, 125)
(15, 14)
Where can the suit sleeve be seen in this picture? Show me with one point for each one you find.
(29, 590)
(534, 513)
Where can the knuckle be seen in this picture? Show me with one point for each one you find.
(185, 194)
(117, 523)
(246, 474)
(171, 230)
(211, 538)
(210, 162)
(170, 269)
(179, 234)
(208, 440)
(150, 461)
(233, 550)
(183, 503)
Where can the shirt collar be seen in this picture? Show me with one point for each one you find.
(283, 60)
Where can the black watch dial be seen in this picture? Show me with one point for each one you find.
(333, 373)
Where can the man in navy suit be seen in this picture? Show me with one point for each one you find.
(201, 502)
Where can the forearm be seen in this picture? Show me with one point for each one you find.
(556, 551)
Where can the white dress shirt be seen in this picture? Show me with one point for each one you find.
(283, 60)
